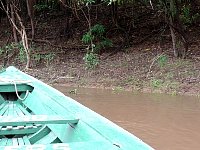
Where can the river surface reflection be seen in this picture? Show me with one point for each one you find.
(165, 122)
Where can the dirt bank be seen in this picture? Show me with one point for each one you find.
(148, 65)
(143, 68)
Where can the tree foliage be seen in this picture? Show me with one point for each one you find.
(124, 16)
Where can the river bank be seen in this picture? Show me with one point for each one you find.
(145, 69)
(148, 65)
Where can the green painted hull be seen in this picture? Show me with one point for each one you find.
(35, 115)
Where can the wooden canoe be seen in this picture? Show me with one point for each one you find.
(34, 115)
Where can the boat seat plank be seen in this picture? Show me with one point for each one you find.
(9, 127)
(19, 130)
(13, 110)
(9, 87)
(35, 119)
(67, 146)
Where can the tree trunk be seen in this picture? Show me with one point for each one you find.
(13, 28)
(114, 7)
(26, 48)
(178, 33)
(173, 41)
(30, 8)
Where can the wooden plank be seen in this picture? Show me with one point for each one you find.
(22, 109)
(10, 130)
(15, 141)
(3, 141)
(4, 109)
(47, 139)
(46, 105)
(9, 87)
(35, 119)
(92, 145)
(11, 109)
(15, 110)
(20, 141)
(26, 140)
(7, 111)
(1, 99)
(3, 105)
(39, 135)
(18, 111)
(9, 142)
(9, 127)
(18, 131)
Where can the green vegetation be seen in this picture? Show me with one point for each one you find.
(96, 36)
(91, 60)
(186, 15)
(14, 49)
(96, 41)
(41, 7)
(162, 60)
(17, 50)
(156, 83)
(136, 43)
(177, 16)
(22, 54)
(47, 58)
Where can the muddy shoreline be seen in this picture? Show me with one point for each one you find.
(131, 71)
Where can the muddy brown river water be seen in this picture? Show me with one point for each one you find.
(163, 121)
